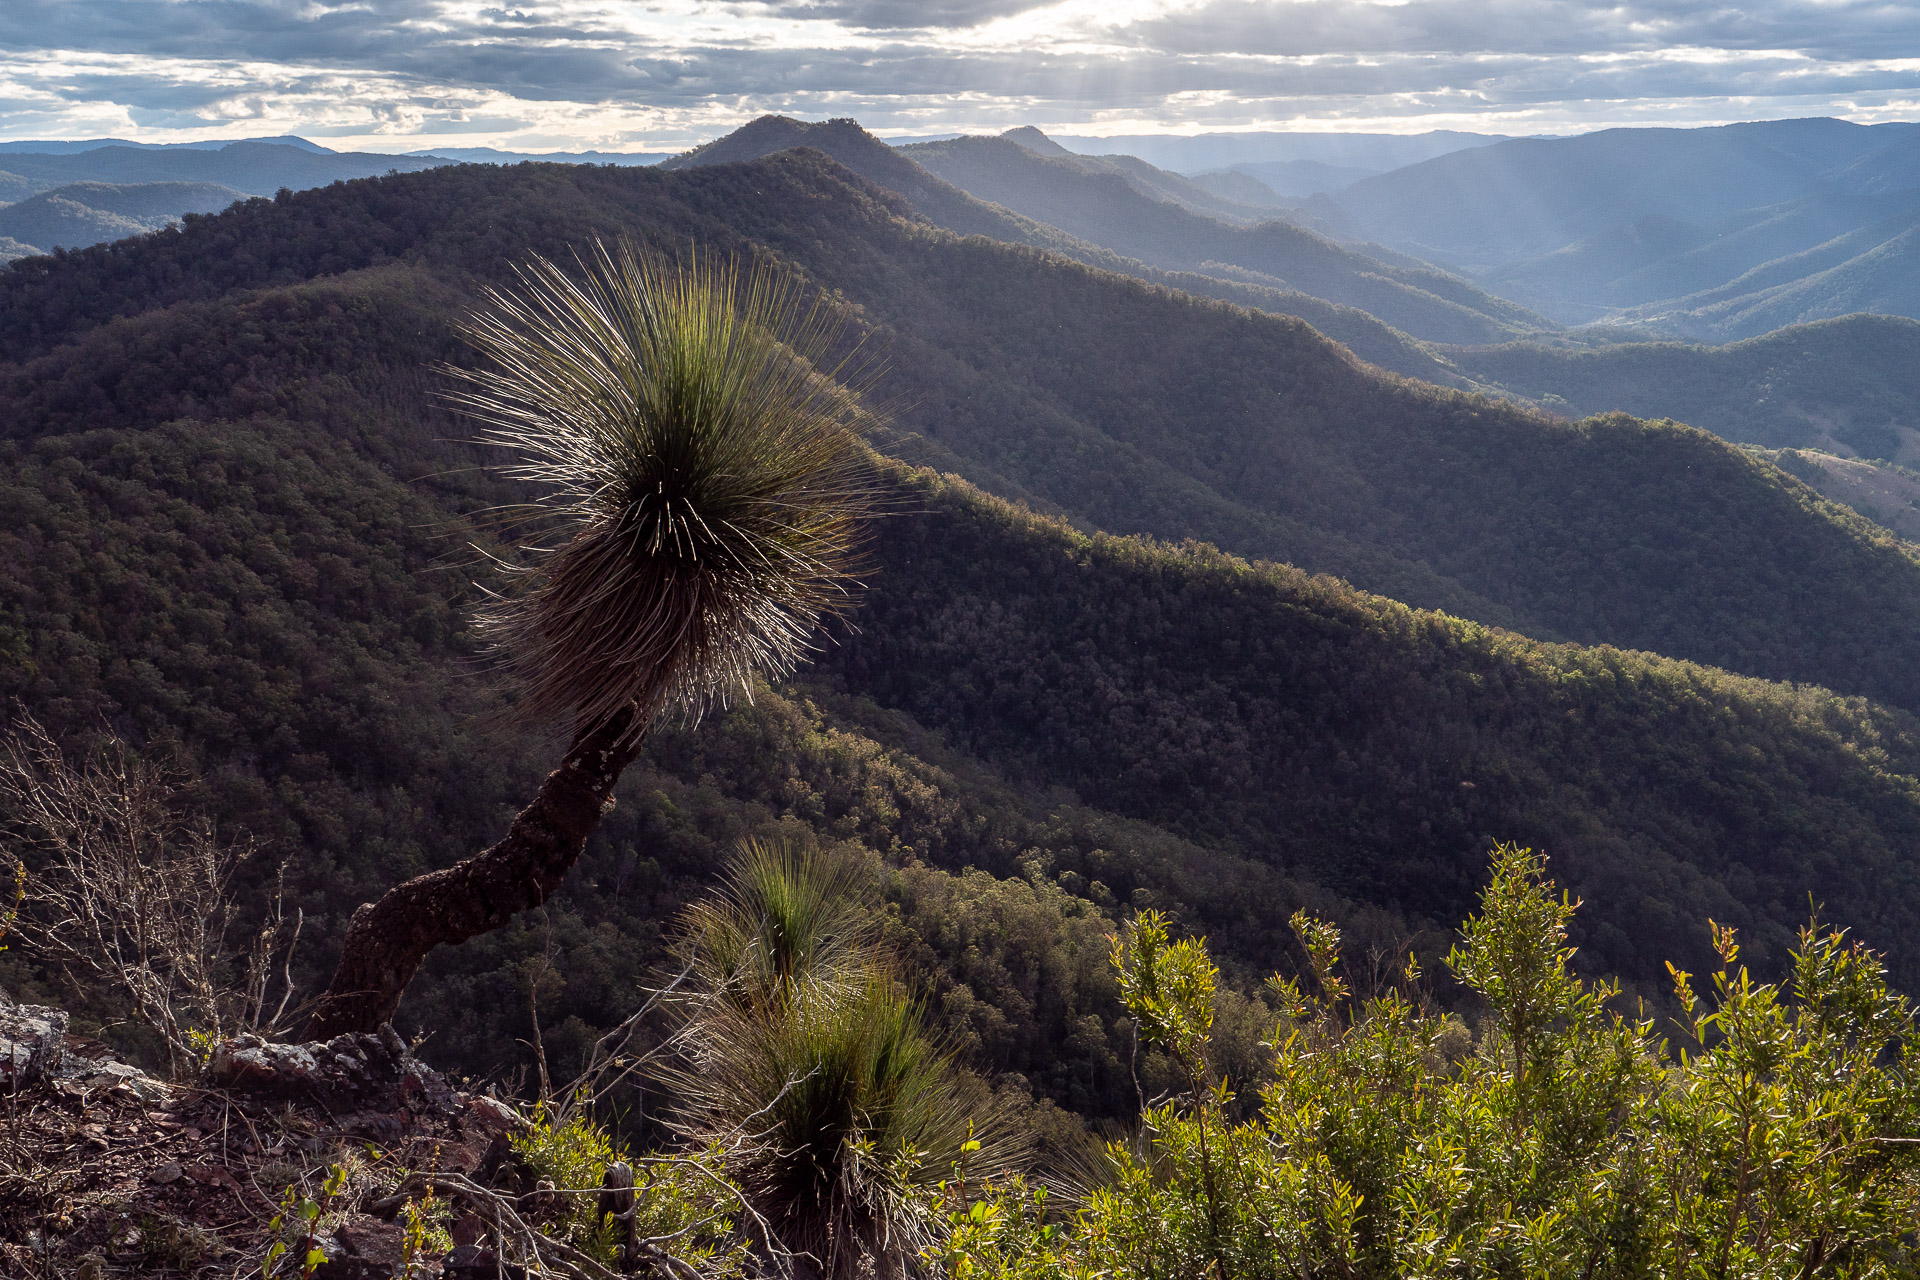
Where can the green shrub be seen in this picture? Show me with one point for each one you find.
(1777, 1139)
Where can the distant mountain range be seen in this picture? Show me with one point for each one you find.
(1368, 152)
(1291, 177)
(254, 168)
(946, 205)
(79, 193)
(1116, 205)
(493, 155)
(1542, 206)
(1850, 386)
(1711, 234)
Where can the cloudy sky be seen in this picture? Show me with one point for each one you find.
(394, 75)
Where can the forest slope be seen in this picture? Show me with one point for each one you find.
(1132, 408)
(236, 528)
(1850, 384)
(260, 569)
(260, 591)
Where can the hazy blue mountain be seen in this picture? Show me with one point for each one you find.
(83, 213)
(1375, 152)
(947, 206)
(255, 168)
(493, 155)
(1659, 257)
(1716, 234)
(1107, 209)
(1528, 196)
(1301, 177)
(1841, 386)
(1874, 269)
(1157, 184)
(76, 146)
(1241, 186)
(1100, 194)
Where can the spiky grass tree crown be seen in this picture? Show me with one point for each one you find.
(693, 442)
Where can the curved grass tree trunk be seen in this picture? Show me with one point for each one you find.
(692, 446)
(387, 940)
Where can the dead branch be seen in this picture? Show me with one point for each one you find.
(129, 890)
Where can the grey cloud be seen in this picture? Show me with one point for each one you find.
(884, 15)
(1261, 59)
(1851, 28)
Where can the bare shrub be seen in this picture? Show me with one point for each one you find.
(129, 889)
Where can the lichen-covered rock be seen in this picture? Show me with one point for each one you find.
(112, 1074)
(492, 1116)
(32, 1039)
(372, 1073)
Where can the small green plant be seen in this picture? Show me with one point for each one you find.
(1001, 1232)
(683, 1201)
(573, 1155)
(174, 1245)
(11, 912)
(299, 1218)
(425, 1223)
(1781, 1141)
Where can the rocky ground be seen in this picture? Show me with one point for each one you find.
(107, 1171)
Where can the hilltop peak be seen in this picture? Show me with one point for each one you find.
(1035, 141)
(842, 138)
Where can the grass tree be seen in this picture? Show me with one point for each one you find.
(687, 432)
(805, 1057)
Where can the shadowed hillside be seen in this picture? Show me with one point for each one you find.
(1850, 385)
(1133, 408)
(238, 531)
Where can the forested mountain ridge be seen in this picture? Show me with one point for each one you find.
(1850, 384)
(83, 213)
(1840, 386)
(946, 205)
(1071, 205)
(1132, 408)
(1106, 209)
(237, 525)
(1159, 184)
(1354, 743)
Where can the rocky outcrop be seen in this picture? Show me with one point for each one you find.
(32, 1041)
(112, 1171)
(357, 1077)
